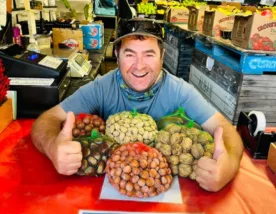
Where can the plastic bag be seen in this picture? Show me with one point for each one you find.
(96, 149)
(178, 117)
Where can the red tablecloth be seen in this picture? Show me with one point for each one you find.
(30, 184)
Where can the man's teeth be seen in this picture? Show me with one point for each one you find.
(140, 75)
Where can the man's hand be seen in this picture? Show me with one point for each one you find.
(66, 154)
(214, 174)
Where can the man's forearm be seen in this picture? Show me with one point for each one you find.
(44, 131)
(231, 138)
(232, 141)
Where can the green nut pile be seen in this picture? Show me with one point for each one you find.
(183, 147)
(126, 127)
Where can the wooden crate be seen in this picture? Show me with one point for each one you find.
(255, 92)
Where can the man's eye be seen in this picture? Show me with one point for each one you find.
(149, 55)
(129, 55)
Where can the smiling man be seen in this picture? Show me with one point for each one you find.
(139, 82)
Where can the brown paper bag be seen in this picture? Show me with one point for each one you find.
(65, 38)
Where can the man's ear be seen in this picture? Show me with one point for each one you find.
(163, 54)
(116, 53)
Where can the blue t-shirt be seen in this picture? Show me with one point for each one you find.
(104, 97)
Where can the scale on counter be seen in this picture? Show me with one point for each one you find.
(78, 65)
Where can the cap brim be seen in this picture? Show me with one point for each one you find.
(136, 34)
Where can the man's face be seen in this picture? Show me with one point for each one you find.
(140, 62)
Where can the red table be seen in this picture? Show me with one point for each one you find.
(30, 184)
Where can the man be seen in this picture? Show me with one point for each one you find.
(139, 83)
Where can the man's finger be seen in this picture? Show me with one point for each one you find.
(73, 158)
(206, 163)
(68, 125)
(70, 172)
(219, 143)
(72, 147)
(204, 187)
(203, 174)
(74, 166)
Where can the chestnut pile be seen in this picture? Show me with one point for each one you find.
(95, 154)
(137, 170)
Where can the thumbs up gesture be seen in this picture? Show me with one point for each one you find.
(214, 174)
(66, 154)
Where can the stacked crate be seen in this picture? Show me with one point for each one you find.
(235, 80)
(178, 52)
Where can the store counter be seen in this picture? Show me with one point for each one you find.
(30, 184)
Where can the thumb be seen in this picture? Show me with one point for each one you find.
(68, 126)
(219, 143)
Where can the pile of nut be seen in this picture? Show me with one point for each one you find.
(137, 170)
(95, 154)
(183, 146)
(86, 123)
(125, 127)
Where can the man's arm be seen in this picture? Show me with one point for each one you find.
(214, 174)
(57, 144)
(47, 127)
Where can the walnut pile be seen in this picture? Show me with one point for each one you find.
(137, 170)
(126, 127)
(183, 147)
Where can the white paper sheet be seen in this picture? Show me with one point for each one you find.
(3, 12)
(173, 195)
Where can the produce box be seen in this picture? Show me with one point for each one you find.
(254, 32)
(177, 15)
(271, 158)
(216, 20)
(93, 30)
(93, 43)
(6, 114)
(196, 18)
(65, 38)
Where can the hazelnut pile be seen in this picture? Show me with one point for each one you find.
(85, 123)
(137, 170)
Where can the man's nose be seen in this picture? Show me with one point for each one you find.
(140, 64)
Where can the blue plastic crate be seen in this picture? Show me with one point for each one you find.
(244, 62)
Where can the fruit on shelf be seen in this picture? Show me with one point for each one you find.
(183, 146)
(129, 126)
(137, 170)
(268, 13)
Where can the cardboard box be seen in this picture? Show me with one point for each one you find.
(254, 32)
(93, 30)
(93, 43)
(196, 18)
(177, 15)
(271, 158)
(65, 38)
(6, 114)
(214, 21)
